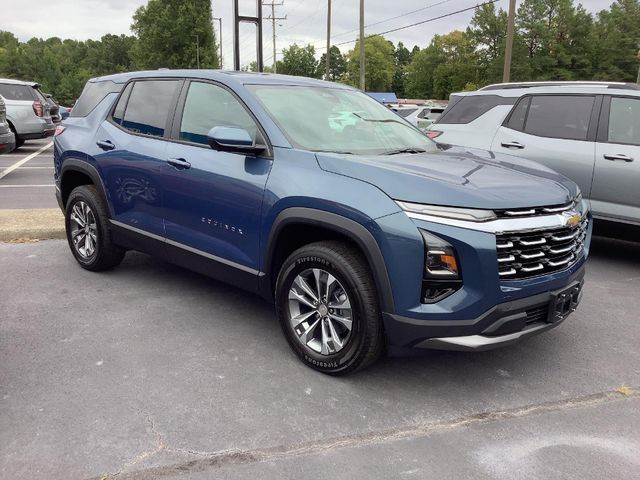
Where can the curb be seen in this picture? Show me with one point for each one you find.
(28, 225)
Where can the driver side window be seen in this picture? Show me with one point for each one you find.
(209, 106)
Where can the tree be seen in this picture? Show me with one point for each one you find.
(379, 64)
(301, 61)
(446, 65)
(402, 58)
(337, 64)
(172, 33)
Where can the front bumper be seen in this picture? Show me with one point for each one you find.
(502, 325)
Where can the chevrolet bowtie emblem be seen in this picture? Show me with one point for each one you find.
(571, 218)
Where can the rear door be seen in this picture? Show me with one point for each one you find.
(616, 180)
(130, 151)
(555, 130)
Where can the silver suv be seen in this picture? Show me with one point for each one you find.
(27, 110)
(588, 131)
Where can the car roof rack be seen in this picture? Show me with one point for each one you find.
(586, 83)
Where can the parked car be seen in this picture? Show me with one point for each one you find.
(54, 108)
(7, 138)
(588, 131)
(422, 116)
(27, 110)
(366, 236)
(64, 112)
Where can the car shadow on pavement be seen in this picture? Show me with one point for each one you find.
(251, 322)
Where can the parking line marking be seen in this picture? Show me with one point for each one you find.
(19, 163)
(25, 186)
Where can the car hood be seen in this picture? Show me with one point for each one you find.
(456, 176)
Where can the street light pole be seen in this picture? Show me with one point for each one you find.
(328, 54)
(219, 19)
(362, 85)
(506, 73)
(198, 51)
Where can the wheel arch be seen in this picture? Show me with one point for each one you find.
(75, 172)
(331, 226)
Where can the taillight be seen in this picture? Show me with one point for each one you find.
(433, 134)
(38, 108)
(59, 130)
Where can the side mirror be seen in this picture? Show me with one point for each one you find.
(233, 139)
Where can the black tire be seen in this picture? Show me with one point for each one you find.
(105, 254)
(365, 342)
(19, 141)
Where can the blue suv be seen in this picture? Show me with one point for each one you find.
(365, 234)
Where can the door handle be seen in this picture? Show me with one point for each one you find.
(512, 145)
(179, 163)
(105, 144)
(618, 156)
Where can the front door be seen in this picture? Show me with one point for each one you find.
(212, 200)
(616, 178)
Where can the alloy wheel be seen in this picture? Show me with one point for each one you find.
(83, 229)
(320, 311)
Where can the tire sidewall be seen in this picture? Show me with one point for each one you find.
(83, 194)
(349, 354)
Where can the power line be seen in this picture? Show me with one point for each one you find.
(422, 22)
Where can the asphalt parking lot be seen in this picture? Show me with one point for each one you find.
(150, 371)
(30, 184)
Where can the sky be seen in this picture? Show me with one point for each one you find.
(305, 23)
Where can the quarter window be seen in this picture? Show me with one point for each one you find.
(15, 91)
(92, 94)
(559, 116)
(208, 106)
(148, 107)
(624, 121)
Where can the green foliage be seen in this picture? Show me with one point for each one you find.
(337, 65)
(297, 60)
(379, 64)
(173, 33)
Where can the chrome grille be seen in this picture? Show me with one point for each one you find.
(535, 211)
(523, 255)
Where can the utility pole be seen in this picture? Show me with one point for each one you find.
(328, 54)
(506, 74)
(638, 77)
(273, 19)
(219, 19)
(362, 45)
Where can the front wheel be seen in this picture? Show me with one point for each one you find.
(327, 306)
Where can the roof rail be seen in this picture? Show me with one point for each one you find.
(581, 83)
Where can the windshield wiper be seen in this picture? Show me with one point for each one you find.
(341, 152)
(381, 120)
(405, 150)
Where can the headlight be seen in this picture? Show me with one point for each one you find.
(469, 214)
(441, 272)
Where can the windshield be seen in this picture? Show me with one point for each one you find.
(338, 120)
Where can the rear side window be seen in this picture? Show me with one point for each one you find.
(118, 112)
(624, 121)
(92, 95)
(12, 91)
(147, 110)
(468, 108)
(559, 116)
(518, 115)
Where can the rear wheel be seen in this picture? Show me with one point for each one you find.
(19, 141)
(327, 306)
(88, 230)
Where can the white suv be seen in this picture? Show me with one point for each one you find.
(588, 131)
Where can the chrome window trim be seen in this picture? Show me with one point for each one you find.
(502, 225)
